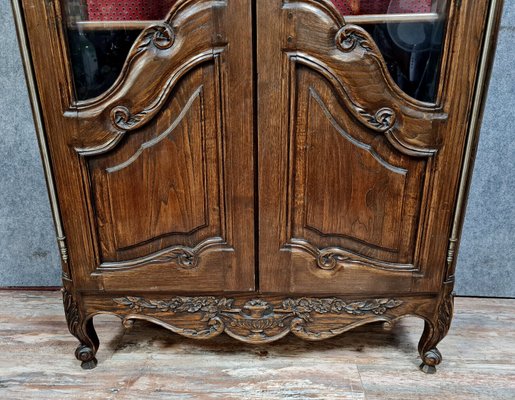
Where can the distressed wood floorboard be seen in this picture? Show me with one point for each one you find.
(148, 362)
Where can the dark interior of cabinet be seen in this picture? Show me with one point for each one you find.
(412, 52)
(97, 57)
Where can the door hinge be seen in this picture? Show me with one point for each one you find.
(63, 249)
(451, 250)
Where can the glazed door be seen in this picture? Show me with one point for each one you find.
(349, 146)
(360, 130)
(156, 165)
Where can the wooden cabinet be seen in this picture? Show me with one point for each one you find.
(258, 167)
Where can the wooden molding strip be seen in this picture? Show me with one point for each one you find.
(351, 19)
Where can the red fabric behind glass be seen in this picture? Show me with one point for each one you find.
(354, 7)
(115, 10)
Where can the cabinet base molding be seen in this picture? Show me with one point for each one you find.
(258, 319)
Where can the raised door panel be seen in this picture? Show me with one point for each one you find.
(345, 158)
(351, 192)
(162, 186)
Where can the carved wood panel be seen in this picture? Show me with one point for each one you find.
(352, 169)
(349, 191)
(361, 189)
(165, 156)
(162, 186)
(256, 320)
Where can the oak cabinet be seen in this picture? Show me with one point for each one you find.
(258, 167)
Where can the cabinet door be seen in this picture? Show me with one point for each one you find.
(153, 148)
(359, 156)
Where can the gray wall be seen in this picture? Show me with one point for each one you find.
(28, 251)
(486, 263)
(29, 256)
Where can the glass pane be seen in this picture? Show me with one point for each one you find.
(410, 35)
(100, 35)
(360, 7)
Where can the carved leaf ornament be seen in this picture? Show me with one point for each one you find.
(257, 320)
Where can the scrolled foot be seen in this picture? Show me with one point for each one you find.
(427, 369)
(435, 328)
(430, 360)
(89, 364)
(81, 327)
(87, 356)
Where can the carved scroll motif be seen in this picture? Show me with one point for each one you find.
(351, 36)
(161, 37)
(182, 256)
(436, 329)
(257, 321)
(381, 121)
(71, 311)
(330, 258)
(445, 310)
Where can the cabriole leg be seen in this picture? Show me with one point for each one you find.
(83, 330)
(435, 330)
(88, 347)
(429, 354)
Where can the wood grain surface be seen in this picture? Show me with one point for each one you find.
(238, 152)
(148, 362)
(352, 172)
(157, 172)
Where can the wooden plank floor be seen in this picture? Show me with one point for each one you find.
(147, 362)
